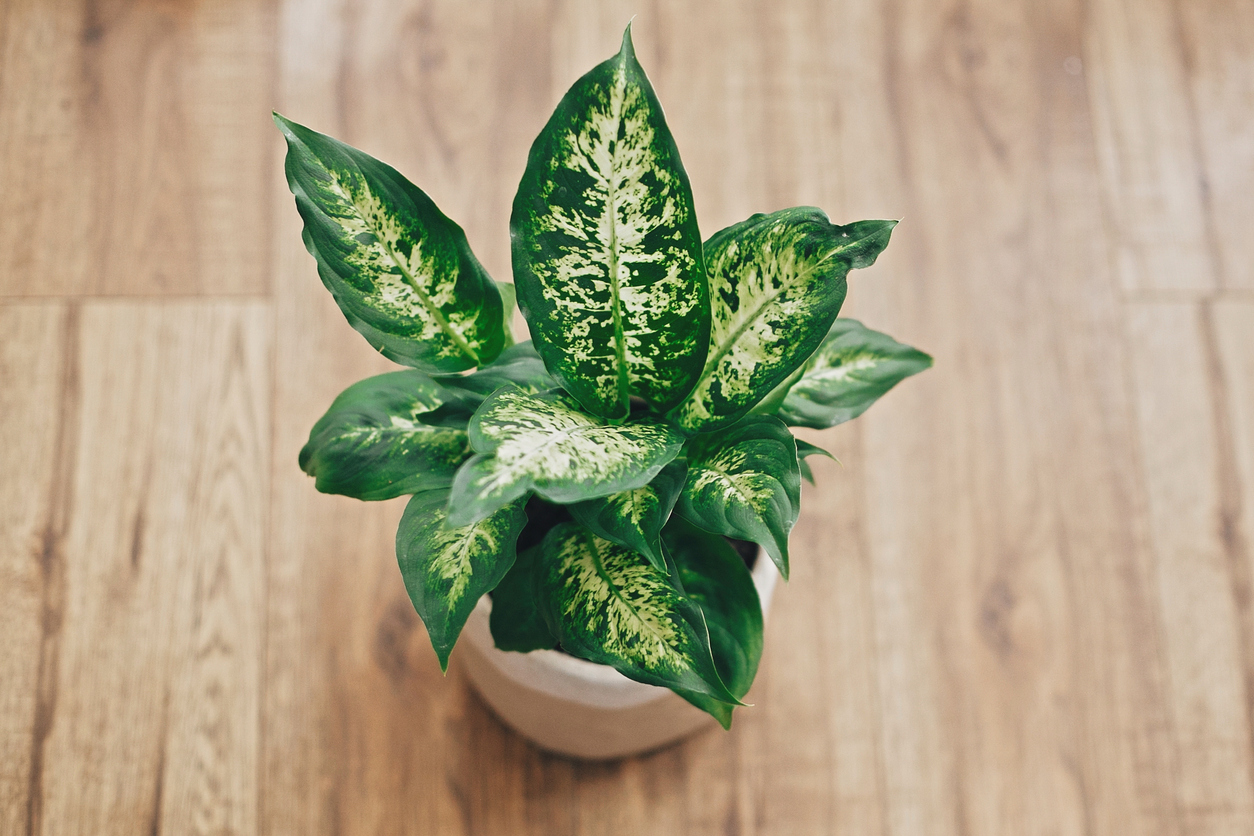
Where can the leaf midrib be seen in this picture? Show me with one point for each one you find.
(711, 364)
(616, 311)
(439, 318)
(726, 477)
(613, 587)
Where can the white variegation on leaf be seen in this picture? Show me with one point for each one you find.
(448, 568)
(400, 270)
(608, 604)
(634, 519)
(744, 482)
(374, 442)
(776, 284)
(852, 369)
(546, 443)
(607, 254)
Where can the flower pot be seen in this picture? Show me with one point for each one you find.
(579, 708)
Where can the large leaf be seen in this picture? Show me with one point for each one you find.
(400, 270)
(776, 283)
(715, 578)
(744, 482)
(634, 519)
(448, 568)
(607, 254)
(608, 604)
(373, 443)
(517, 623)
(851, 370)
(545, 443)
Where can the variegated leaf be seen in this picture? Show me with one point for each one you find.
(804, 450)
(516, 622)
(744, 482)
(545, 443)
(448, 568)
(401, 272)
(607, 254)
(608, 604)
(634, 519)
(373, 443)
(776, 283)
(715, 578)
(852, 369)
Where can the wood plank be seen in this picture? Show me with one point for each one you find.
(1151, 170)
(1017, 639)
(1185, 457)
(1232, 380)
(133, 148)
(35, 373)
(153, 706)
(1219, 42)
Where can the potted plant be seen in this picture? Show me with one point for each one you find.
(578, 498)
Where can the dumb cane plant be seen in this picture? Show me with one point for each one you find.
(644, 424)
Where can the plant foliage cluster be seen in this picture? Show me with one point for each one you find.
(652, 403)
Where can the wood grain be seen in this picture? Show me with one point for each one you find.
(1022, 604)
(133, 149)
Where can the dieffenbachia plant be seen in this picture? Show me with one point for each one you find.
(591, 478)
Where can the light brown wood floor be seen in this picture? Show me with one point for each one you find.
(1022, 606)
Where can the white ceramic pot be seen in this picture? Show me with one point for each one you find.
(579, 708)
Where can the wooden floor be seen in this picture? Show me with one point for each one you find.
(1023, 605)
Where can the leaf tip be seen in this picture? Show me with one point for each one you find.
(628, 49)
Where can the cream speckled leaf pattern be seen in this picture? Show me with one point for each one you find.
(852, 369)
(400, 270)
(634, 519)
(372, 442)
(744, 482)
(545, 443)
(716, 580)
(608, 604)
(446, 568)
(607, 254)
(777, 282)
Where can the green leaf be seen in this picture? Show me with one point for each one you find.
(607, 254)
(634, 519)
(448, 568)
(776, 283)
(715, 578)
(851, 370)
(509, 301)
(517, 622)
(373, 443)
(804, 450)
(744, 482)
(608, 604)
(401, 272)
(518, 365)
(545, 443)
